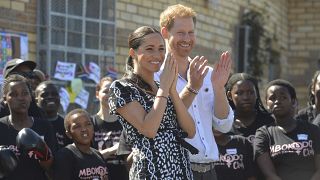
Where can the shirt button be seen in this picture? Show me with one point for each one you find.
(194, 105)
(206, 155)
(202, 138)
(198, 122)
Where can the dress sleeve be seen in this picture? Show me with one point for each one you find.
(63, 165)
(120, 95)
(261, 142)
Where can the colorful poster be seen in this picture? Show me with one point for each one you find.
(82, 98)
(64, 98)
(23, 47)
(65, 71)
(5, 49)
(94, 72)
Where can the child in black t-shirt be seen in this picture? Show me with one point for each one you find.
(48, 99)
(79, 160)
(235, 157)
(290, 149)
(249, 113)
(17, 95)
(107, 131)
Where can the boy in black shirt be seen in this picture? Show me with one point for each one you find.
(48, 99)
(78, 161)
(290, 149)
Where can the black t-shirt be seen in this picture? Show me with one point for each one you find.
(106, 134)
(28, 168)
(250, 131)
(235, 160)
(60, 132)
(293, 153)
(71, 164)
(307, 114)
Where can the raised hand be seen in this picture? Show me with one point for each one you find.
(197, 71)
(173, 88)
(168, 74)
(221, 71)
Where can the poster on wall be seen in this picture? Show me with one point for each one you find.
(65, 71)
(12, 45)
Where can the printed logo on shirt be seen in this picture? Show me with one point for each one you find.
(106, 139)
(303, 148)
(302, 137)
(60, 138)
(233, 161)
(231, 151)
(99, 172)
(14, 149)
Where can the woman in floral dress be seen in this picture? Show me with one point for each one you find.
(152, 113)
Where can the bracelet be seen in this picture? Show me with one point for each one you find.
(190, 89)
(162, 97)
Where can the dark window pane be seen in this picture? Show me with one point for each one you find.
(93, 9)
(107, 30)
(57, 37)
(58, 5)
(108, 10)
(107, 44)
(74, 25)
(92, 28)
(58, 22)
(74, 39)
(75, 7)
(74, 57)
(92, 42)
(55, 57)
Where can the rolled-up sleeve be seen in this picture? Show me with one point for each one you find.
(223, 125)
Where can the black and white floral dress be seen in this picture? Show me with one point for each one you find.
(162, 157)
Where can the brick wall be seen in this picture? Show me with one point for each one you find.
(20, 16)
(216, 24)
(304, 44)
(293, 26)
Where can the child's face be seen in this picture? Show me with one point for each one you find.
(48, 99)
(18, 97)
(279, 101)
(102, 94)
(81, 129)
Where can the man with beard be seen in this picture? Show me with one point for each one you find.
(201, 87)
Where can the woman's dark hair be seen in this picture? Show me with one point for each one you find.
(233, 79)
(106, 78)
(14, 78)
(311, 88)
(135, 39)
(284, 83)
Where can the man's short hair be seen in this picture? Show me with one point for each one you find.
(178, 10)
